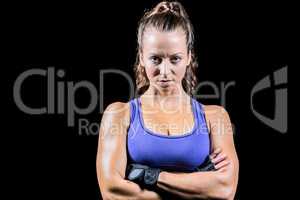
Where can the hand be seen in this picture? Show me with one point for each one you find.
(143, 175)
(219, 159)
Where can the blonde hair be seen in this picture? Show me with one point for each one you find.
(167, 16)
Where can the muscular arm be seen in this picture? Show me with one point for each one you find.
(112, 158)
(220, 184)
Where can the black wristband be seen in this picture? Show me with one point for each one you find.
(136, 172)
(143, 175)
(151, 176)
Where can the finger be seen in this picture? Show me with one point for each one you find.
(220, 157)
(222, 164)
(217, 150)
(215, 153)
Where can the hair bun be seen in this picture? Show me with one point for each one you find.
(166, 6)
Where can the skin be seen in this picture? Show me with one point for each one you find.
(166, 110)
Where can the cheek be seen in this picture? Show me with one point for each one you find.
(180, 72)
(150, 71)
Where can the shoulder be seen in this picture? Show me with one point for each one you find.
(117, 112)
(218, 118)
(215, 113)
(117, 107)
(214, 109)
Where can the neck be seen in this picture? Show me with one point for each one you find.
(172, 98)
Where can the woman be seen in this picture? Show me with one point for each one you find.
(165, 130)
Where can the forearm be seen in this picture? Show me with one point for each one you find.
(124, 189)
(197, 185)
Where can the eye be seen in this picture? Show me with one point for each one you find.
(175, 59)
(155, 60)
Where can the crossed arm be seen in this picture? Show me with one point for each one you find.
(112, 160)
(219, 184)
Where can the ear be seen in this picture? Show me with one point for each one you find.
(189, 58)
(141, 58)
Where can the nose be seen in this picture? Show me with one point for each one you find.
(165, 68)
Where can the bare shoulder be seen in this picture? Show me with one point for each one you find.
(117, 108)
(117, 113)
(112, 142)
(218, 119)
(215, 113)
(214, 109)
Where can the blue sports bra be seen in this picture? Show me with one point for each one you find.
(183, 152)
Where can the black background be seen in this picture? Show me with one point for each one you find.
(234, 42)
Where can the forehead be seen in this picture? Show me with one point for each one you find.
(171, 41)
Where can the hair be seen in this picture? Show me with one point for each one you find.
(166, 16)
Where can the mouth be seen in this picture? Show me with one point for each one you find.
(164, 83)
(164, 80)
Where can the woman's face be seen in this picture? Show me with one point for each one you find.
(165, 57)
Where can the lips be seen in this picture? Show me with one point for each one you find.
(164, 83)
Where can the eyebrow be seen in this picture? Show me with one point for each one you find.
(162, 55)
